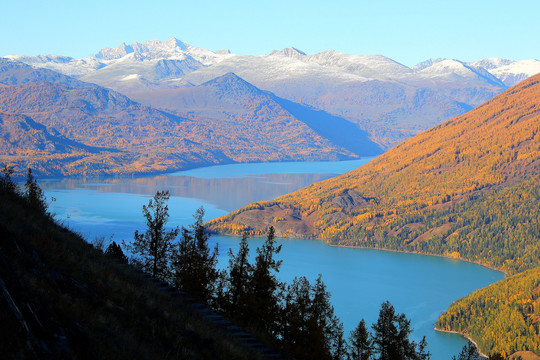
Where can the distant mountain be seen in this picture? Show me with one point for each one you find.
(21, 132)
(232, 100)
(459, 189)
(78, 128)
(389, 101)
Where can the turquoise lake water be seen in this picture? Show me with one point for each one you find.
(359, 279)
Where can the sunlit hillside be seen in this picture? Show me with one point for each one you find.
(468, 188)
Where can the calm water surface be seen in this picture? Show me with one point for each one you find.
(360, 280)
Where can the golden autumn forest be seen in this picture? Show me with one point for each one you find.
(468, 188)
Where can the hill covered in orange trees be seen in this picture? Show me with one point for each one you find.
(468, 188)
(503, 317)
(109, 133)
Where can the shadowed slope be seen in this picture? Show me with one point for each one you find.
(230, 99)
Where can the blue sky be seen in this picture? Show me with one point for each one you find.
(406, 31)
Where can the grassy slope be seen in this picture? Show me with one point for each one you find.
(61, 298)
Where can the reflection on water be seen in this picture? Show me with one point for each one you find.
(226, 194)
(111, 207)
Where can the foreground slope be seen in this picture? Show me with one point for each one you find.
(468, 188)
(62, 299)
(111, 134)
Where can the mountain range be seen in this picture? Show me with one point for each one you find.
(389, 101)
(62, 126)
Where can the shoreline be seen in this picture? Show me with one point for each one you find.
(420, 253)
(467, 337)
(193, 166)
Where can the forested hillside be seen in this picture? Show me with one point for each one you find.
(503, 317)
(468, 188)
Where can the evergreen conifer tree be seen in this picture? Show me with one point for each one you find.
(264, 286)
(469, 352)
(115, 251)
(360, 343)
(153, 249)
(194, 264)
(239, 274)
(391, 337)
(6, 183)
(33, 193)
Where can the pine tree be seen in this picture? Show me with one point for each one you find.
(115, 251)
(264, 286)
(327, 322)
(239, 274)
(469, 352)
(33, 193)
(391, 337)
(6, 183)
(360, 343)
(194, 264)
(154, 248)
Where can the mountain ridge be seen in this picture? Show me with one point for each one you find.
(321, 80)
(135, 138)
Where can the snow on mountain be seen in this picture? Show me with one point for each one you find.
(516, 71)
(491, 63)
(372, 91)
(426, 63)
(369, 66)
(63, 64)
(153, 72)
(452, 70)
(290, 52)
(172, 49)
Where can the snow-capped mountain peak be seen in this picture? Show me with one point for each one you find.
(491, 63)
(427, 63)
(114, 53)
(289, 52)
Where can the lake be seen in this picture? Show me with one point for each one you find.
(359, 279)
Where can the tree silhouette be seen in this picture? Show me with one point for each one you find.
(33, 193)
(115, 251)
(360, 343)
(6, 183)
(194, 264)
(153, 248)
(263, 299)
(391, 337)
(469, 352)
(239, 274)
